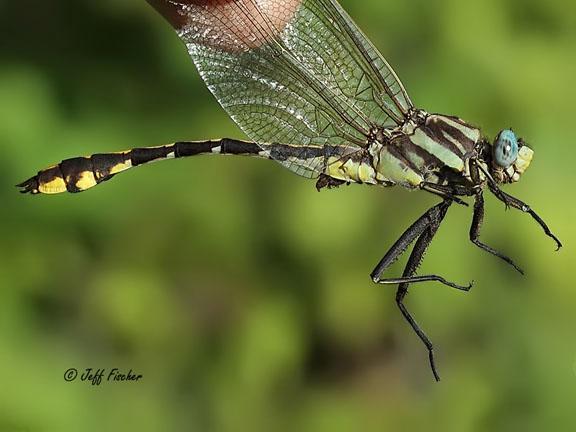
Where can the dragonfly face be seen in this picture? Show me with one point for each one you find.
(510, 157)
(314, 94)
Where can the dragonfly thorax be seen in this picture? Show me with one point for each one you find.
(379, 135)
(425, 148)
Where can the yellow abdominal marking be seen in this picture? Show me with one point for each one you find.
(54, 186)
(121, 167)
(346, 169)
(366, 173)
(86, 180)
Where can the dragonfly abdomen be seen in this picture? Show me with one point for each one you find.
(354, 168)
(81, 173)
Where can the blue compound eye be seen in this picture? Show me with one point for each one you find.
(506, 149)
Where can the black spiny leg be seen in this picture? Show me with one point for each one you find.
(413, 262)
(433, 217)
(509, 200)
(445, 192)
(477, 220)
(424, 229)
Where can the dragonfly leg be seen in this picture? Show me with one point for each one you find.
(423, 231)
(509, 200)
(477, 220)
(429, 220)
(400, 295)
(415, 258)
(445, 192)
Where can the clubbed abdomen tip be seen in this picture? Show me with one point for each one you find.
(30, 186)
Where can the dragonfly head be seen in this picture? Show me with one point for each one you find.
(510, 157)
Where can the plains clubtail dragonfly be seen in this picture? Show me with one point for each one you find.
(312, 93)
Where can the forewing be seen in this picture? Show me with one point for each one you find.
(295, 72)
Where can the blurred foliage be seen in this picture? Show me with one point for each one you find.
(239, 292)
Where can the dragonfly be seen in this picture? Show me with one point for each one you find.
(313, 93)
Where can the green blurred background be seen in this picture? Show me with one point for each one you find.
(239, 292)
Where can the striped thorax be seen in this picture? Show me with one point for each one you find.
(426, 148)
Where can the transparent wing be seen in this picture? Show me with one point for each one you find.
(296, 72)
